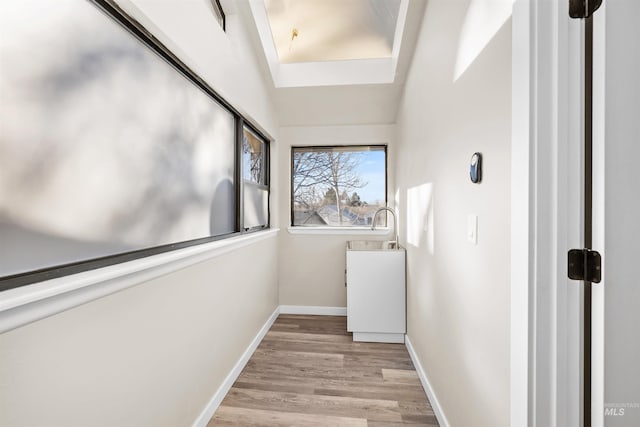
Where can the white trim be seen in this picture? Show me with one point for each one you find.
(217, 398)
(433, 400)
(520, 201)
(544, 377)
(27, 304)
(313, 310)
(399, 33)
(335, 73)
(330, 231)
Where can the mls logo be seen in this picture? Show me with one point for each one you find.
(613, 412)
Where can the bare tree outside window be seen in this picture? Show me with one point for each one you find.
(337, 186)
(253, 153)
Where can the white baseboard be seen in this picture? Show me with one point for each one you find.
(224, 388)
(313, 310)
(437, 409)
(206, 414)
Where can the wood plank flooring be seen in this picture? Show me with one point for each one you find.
(307, 371)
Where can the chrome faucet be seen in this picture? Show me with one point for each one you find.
(395, 223)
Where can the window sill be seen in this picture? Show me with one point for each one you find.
(344, 231)
(26, 304)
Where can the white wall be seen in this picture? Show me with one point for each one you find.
(226, 60)
(458, 293)
(311, 266)
(154, 354)
(338, 105)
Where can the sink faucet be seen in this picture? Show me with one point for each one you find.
(395, 223)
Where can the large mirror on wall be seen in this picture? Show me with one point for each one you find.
(105, 148)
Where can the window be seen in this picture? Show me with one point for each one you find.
(254, 177)
(338, 186)
(253, 157)
(112, 148)
(218, 13)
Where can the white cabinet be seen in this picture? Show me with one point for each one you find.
(376, 293)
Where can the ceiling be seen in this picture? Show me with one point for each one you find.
(332, 30)
(314, 87)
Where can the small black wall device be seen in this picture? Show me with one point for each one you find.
(475, 169)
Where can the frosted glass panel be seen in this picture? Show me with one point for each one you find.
(104, 147)
(256, 205)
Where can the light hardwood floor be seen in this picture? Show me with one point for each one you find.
(308, 372)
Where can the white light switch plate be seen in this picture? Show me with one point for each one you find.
(472, 228)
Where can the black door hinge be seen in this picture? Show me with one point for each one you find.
(583, 8)
(585, 264)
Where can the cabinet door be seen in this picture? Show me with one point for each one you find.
(376, 291)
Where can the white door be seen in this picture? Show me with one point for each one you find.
(616, 301)
(546, 345)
